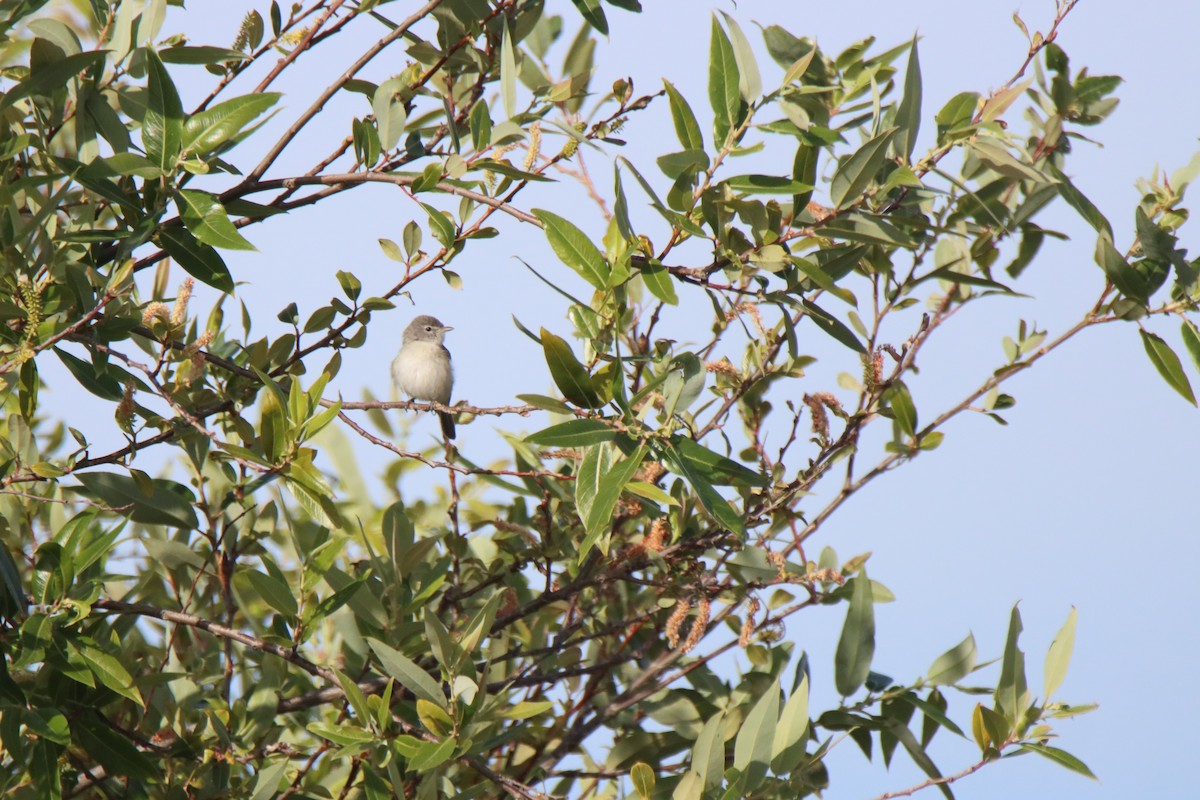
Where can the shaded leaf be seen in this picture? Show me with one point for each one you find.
(856, 172)
(856, 647)
(1168, 364)
(569, 375)
(159, 502)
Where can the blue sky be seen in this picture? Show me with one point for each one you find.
(1086, 499)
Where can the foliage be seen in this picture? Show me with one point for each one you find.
(243, 621)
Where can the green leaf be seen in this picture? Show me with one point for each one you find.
(200, 261)
(1191, 340)
(112, 750)
(266, 783)
(1128, 281)
(767, 184)
(213, 127)
(903, 409)
(162, 127)
(642, 777)
(277, 594)
(754, 742)
(833, 326)
(574, 248)
(856, 647)
(109, 672)
(713, 502)
(724, 85)
(206, 218)
(1076, 200)
(407, 673)
(576, 433)
(509, 171)
(908, 113)
(954, 664)
(787, 751)
(598, 486)
(569, 375)
(161, 502)
(101, 384)
(715, 467)
(804, 171)
(1012, 693)
(202, 54)
(508, 72)
(481, 126)
(593, 12)
(708, 754)
(1168, 365)
(686, 127)
(50, 76)
(1058, 657)
(857, 172)
(440, 226)
(390, 115)
(658, 280)
(749, 81)
(1060, 757)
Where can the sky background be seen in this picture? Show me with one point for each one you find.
(1087, 498)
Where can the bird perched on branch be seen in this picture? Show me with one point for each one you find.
(422, 369)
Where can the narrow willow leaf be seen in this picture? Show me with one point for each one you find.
(593, 12)
(598, 487)
(658, 280)
(708, 754)
(569, 375)
(833, 326)
(713, 502)
(754, 742)
(724, 85)
(749, 81)
(856, 173)
(767, 184)
(1168, 365)
(715, 467)
(574, 248)
(1128, 281)
(277, 594)
(201, 261)
(407, 673)
(266, 783)
(1076, 200)
(1012, 693)
(686, 127)
(508, 72)
(903, 408)
(1191, 340)
(787, 751)
(856, 647)
(162, 127)
(908, 113)
(1058, 657)
(954, 664)
(1060, 757)
(51, 76)
(576, 433)
(164, 502)
(208, 221)
(804, 171)
(213, 127)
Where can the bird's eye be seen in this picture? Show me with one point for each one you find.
(429, 328)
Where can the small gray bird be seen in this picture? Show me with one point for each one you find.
(422, 370)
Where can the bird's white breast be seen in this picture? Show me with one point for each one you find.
(423, 371)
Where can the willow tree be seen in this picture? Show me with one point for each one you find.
(209, 610)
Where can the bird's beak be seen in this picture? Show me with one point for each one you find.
(447, 328)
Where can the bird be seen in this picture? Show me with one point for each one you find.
(422, 369)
